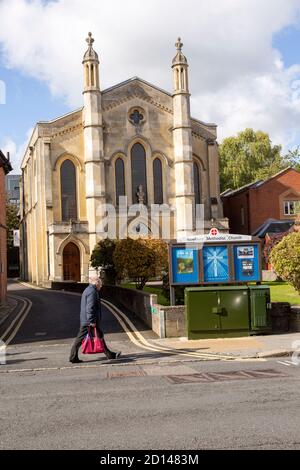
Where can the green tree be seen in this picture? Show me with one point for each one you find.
(248, 157)
(292, 158)
(285, 258)
(140, 259)
(102, 257)
(12, 223)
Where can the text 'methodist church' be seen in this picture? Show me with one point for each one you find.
(132, 139)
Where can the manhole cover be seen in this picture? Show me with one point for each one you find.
(205, 377)
(128, 373)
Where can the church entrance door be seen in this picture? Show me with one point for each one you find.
(71, 262)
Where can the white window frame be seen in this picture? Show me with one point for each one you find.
(287, 207)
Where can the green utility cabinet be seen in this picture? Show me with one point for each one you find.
(260, 304)
(226, 311)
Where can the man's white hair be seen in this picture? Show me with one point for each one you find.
(94, 280)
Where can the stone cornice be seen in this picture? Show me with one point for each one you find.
(55, 132)
(133, 93)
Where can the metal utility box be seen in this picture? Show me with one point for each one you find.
(217, 311)
(226, 311)
(260, 305)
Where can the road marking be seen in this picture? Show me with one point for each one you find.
(143, 343)
(27, 304)
(287, 363)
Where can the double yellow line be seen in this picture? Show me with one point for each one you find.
(16, 324)
(138, 339)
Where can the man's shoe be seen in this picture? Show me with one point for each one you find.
(76, 361)
(113, 355)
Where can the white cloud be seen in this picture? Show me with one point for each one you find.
(237, 78)
(16, 152)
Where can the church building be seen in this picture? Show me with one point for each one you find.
(132, 139)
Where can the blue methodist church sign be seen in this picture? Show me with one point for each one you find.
(215, 263)
(185, 265)
(215, 260)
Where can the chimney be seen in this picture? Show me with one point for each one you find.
(8, 157)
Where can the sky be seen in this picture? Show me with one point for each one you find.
(244, 60)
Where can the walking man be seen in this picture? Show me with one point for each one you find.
(90, 316)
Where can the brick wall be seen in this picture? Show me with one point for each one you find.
(232, 210)
(262, 203)
(3, 261)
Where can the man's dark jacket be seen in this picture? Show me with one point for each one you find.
(90, 309)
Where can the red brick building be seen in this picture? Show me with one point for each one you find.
(5, 168)
(278, 198)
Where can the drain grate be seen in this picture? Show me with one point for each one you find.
(205, 377)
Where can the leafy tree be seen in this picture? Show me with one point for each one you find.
(285, 258)
(248, 157)
(12, 223)
(102, 257)
(140, 259)
(292, 158)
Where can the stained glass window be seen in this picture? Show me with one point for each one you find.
(68, 191)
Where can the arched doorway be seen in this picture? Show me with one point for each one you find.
(71, 262)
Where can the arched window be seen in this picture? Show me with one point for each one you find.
(68, 191)
(158, 183)
(197, 187)
(120, 179)
(138, 174)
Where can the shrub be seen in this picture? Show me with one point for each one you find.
(285, 258)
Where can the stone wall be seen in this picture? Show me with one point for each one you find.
(169, 322)
(280, 314)
(138, 302)
(295, 318)
(165, 321)
(269, 275)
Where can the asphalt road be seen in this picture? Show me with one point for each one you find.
(143, 404)
(55, 316)
(105, 409)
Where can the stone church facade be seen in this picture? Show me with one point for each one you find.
(132, 140)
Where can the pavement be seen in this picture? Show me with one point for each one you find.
(263, 346)
(6, 309)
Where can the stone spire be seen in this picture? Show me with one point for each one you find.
(90, 53)
(182, 141)
(179, 59)
(180, 70)
(91, 66)
(93, 143)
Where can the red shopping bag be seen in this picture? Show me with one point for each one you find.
(92, 344)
